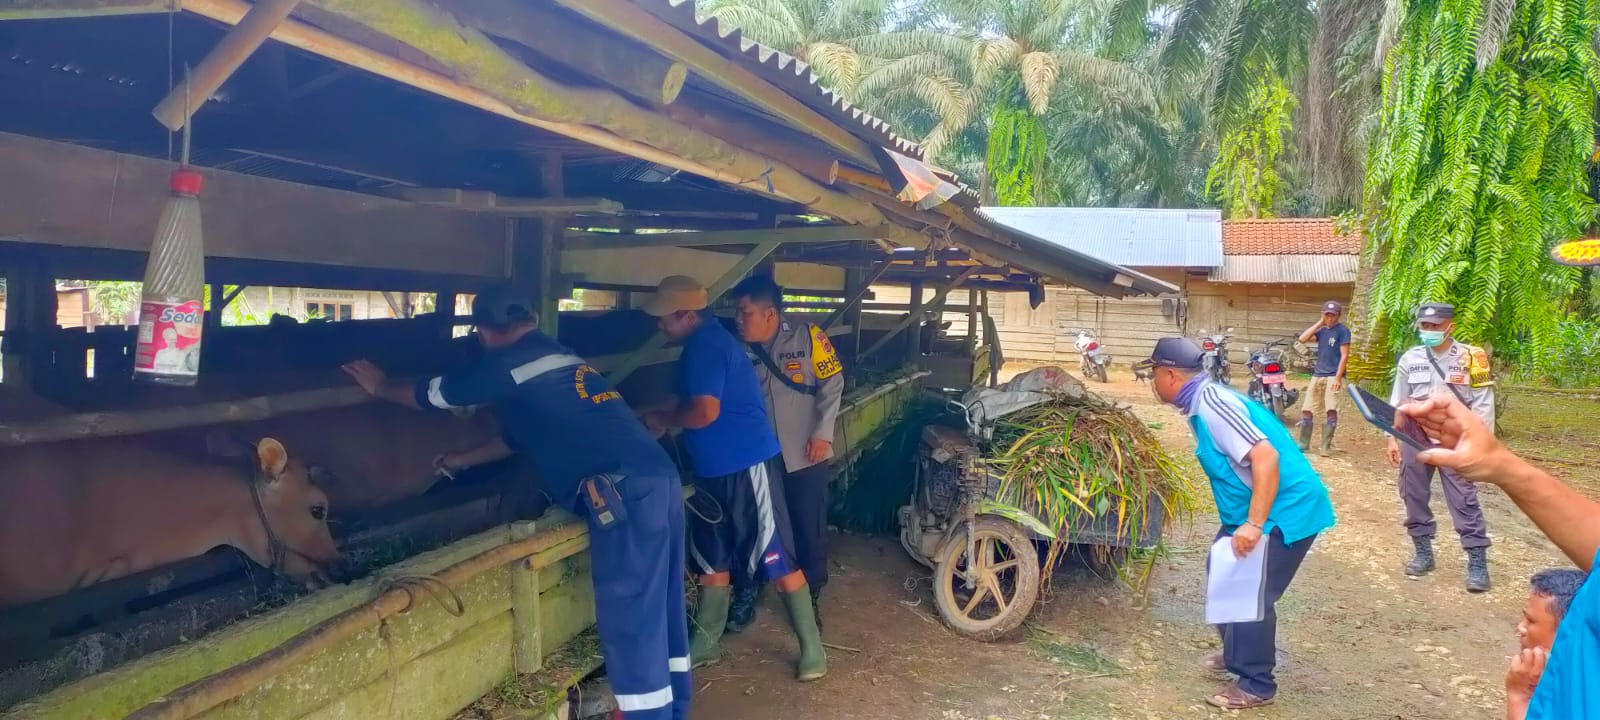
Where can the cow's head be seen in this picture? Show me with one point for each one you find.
(295, 510)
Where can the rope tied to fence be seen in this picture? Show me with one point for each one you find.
(438, 589)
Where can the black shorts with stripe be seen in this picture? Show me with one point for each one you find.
(741, 525)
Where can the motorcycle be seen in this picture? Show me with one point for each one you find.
(1215, 355)
(1267, 376)
(1092, 359)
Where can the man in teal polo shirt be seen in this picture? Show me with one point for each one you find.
(1265, 491)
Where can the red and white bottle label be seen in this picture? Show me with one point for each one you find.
(169, 338)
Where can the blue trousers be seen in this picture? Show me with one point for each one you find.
(638, 566)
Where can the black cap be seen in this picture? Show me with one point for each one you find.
(501, 306)
(1333, 306)
(1435, 312)
(1176, 352)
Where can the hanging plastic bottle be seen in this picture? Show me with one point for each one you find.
(171, 312)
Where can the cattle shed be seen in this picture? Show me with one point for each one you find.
(578, 149)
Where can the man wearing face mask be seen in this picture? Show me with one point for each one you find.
(1265, 491)
(1442, 365)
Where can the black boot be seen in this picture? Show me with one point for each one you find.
(1305, 433)
(1421, 563)
(1327, 437)
(746, 598)
(1478, 570)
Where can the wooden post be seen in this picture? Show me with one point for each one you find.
(992, 341)
(552, 180)
(972, 318)
(914, 337)
(527, 641)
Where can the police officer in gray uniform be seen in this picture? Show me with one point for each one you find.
(1442, 364)
(803, 381)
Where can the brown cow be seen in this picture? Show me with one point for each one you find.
(76, 513)
(375, 453)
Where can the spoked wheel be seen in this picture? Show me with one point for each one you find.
(1005, 580)
(1100, 371)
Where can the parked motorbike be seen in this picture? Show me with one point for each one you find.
(1092, 359)
(1268, 373)
(1215, 357)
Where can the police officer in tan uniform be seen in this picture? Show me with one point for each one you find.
(803, 381)
(1442, 364)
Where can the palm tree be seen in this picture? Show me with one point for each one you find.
(1002, 64)
(1487, 128)
(818, 32)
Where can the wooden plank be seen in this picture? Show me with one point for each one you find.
(55, 9)
(637, 23)
(113, 424)
(81, 197)
(825, 233)
(637, 71)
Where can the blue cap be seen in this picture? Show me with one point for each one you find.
(1176, 352)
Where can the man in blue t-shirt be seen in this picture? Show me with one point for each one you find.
(1266, 492)
(738, 465)
(1327, 376)
(594, 459)
(1566, 688)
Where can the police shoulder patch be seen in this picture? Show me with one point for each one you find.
(824, 361)
(1478, 366)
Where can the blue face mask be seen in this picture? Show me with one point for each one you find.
(1431, 338)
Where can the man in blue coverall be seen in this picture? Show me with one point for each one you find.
(595, 459)
(1265, 491)
(737, 465)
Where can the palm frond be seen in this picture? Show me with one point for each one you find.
(769, 22)
(1038, 71)
(1496, 26)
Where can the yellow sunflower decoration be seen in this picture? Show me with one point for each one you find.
(1579, 253)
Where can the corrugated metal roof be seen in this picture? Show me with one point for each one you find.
(1140, 238)
(1292, 269)
(1058, 261)
(785, 71)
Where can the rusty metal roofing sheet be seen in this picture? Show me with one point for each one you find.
(1287, 269)
(783, 70)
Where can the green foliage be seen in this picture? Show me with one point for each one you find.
(1016, 153)
(1481, 163)
(1570, 357)
(1245, 177)
(114, 299)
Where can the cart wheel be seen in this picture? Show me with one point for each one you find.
(1006, 583)
(1105, 561)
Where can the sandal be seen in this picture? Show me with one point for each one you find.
(1236, 699)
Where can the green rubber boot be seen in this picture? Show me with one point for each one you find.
(803, 618)
(710, 621)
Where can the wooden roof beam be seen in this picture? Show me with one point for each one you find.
(629, 19)
(489, 78)
(58, 9)
(637, 71)
(612, 241)
(488, 202)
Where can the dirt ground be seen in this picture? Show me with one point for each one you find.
(1357, 638)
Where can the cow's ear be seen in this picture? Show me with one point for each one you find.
(223, 445)
(274, 458)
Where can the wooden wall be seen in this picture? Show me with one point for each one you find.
(1129, 328)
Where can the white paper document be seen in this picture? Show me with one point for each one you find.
(1236, 587)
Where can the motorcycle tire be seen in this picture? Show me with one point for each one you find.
(1100, 372)
(959, 609)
